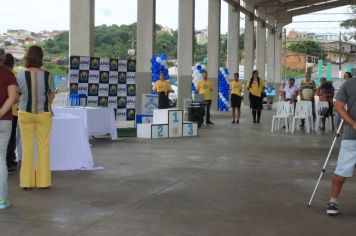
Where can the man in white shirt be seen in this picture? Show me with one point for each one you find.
(291, 91)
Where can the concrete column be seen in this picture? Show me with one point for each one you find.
(278, 56)
(249, 39)
(261, 46)
(81, 33)
(146, 18)
(233, 50)
(213, 48)
(270, 52)
(185, 49)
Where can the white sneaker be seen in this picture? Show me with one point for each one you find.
(4, 204)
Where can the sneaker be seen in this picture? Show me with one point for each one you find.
(210, 123)
(4, 204)
(233, 122)
(331, 209)
(237, 121)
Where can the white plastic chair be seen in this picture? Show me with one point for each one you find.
(303, 110)
(328, 120)
(283, 113)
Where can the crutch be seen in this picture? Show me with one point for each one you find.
(326, 161)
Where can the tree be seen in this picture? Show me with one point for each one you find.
(350, 23)
(311, 48)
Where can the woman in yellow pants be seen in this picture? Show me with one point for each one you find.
(36, 88)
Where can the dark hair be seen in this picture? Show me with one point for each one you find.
(258, 78)
(292, 79)
(33, 57)
(348, 74)
(9, 61)
(236, 74)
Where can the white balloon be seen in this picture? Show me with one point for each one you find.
(163, 62)
(158, 59)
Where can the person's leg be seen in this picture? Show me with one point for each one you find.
(233, 114)
(258, 115)
(254, 113)
(344, 169)
(208, 104)
(27, 130)
(11, 147)
(5, 130)
(43, 127)
(238, 114)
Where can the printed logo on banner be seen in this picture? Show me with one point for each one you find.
(83, 88)
(74, 63)
(121, 90)
(93, 90)
(94, 63)
(112, 90)
(104, 77)
(130, 114)
(122, 65)
(104, 64)
(131, 78)
(94, 76)
(73, 76)
(121, 114)
(73, 88)
(131, 90)
(113, 77)
(83, 76)
(114, 64)
(122, 78)
(121, 102)
(112, 102)
(84, 63)
(130, 102)
(103, 90)
(131, 65)
(92, 101)
(103, 101)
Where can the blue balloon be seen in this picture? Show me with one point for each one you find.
(163, 56)
(199, 67)
(201, 71)
(167, 77)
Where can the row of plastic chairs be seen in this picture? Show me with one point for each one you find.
(302, 111)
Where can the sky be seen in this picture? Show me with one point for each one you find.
(54, 15)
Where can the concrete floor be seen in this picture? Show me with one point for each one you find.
(231, 180)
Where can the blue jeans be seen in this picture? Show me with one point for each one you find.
(5, 131)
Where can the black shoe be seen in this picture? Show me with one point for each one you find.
(233, 122)
(331, 209)
(237, 121)
(254, 121)
(12, 169)
(210, 123)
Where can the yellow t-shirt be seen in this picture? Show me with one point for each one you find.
(162, 86)
(205, 87)
(255, 89)
(236, 87)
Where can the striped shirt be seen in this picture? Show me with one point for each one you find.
(34, 89)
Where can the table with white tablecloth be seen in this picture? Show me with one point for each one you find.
(96, 120)
(69, 146)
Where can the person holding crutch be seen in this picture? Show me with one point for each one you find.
(347, 155)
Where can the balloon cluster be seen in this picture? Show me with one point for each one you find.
(158, 65)
(197, 75)
(224, 88)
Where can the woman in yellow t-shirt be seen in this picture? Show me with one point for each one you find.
(235, 90)
(163, 88)
(255, 86)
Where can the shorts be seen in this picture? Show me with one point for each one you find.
(235, 101)
(347, 158)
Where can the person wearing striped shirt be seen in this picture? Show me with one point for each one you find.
(36, 89)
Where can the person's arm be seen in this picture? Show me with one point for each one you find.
(248, 85)
(155, 87)
(198, 86)
(340, 109)
(10, 101)
(314, 90)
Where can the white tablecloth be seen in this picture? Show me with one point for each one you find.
(96, 120)
(70, 148)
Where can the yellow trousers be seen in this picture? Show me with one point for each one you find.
(40, 125)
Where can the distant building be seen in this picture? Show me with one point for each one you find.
(347, 52)
(165, 30)
(323, 36)
(17, 51)
(202, 36)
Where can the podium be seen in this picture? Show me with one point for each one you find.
(167, 123)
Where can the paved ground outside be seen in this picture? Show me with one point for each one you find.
(231, 180)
